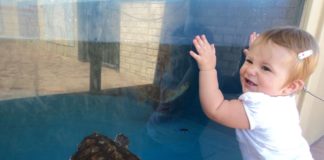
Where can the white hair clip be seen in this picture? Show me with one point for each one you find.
(305, 54)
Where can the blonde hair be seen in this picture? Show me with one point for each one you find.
(295, 40)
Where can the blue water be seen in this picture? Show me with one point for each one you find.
(51, 127)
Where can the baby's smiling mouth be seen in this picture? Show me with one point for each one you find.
(249, 82)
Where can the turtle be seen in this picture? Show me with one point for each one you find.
(121, 140)
(100, 147)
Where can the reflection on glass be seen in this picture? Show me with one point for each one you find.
(47, 47)
(39, 54)
(140, 29)
(72, 67)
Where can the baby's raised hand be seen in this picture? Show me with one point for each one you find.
(206, 57)
(253, 37)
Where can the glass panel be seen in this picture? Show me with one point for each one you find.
(69, 68)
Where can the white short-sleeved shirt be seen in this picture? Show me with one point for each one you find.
(275, 132)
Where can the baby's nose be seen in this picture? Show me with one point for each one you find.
(252, 70)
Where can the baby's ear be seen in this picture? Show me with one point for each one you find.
(294, 87)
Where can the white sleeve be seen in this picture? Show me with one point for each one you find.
(253, 103)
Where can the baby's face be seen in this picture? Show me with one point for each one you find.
(266, 69)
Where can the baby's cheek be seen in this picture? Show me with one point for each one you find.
(242, 70)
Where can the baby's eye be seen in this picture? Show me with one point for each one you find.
(249, 61)
(265, 68)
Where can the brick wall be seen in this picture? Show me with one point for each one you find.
(140, 29)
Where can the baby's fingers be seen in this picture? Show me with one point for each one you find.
(198, 45)
(204, 39)
(245, 51)
(194, 56)
(213, 47)
(253, 37)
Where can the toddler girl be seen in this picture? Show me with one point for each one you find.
(265, 116)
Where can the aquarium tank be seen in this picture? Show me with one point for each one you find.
(74, 68)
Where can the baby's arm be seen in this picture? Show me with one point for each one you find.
(229, 113)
